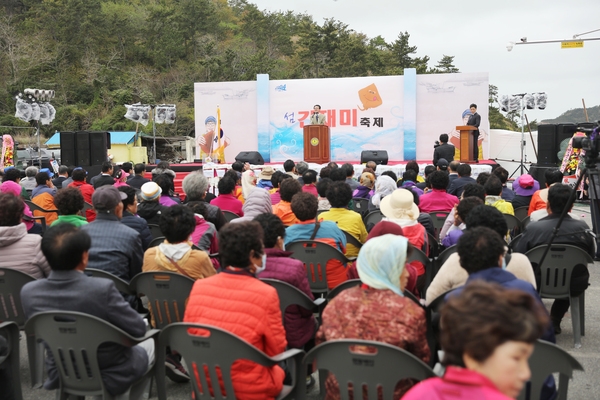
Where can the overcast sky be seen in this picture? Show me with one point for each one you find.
(476, 33)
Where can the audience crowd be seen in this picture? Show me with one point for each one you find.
(53, 229)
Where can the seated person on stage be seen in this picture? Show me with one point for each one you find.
(400, 208)
(304, 206)
(444, 150)
(460, 216)
(236, 301)
(300, 324)
(539, 200)
(175, 254)
(69, 202)
(524, 186)
(226, 201)
(488, 334)
(69, 289)
(287, 189)
(339, 195)
(18, 249)
(377, 310)
(493, 196)
(451, 275)
(572, 232)
(437, 199)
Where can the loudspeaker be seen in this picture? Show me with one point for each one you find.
(99, 143)
(379, 156)
(564, 131)
(547, 144)
(82, 139)
(68, 149)
(252, 157)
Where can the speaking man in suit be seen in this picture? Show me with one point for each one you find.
(67, 288)
(317, 118)
(475, 120)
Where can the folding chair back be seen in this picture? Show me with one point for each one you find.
(547, 359)
(372, 218)
(360, 205)
(229, 216)
(10, 361)
(213, 354)
(315, 256)
(350, 365)
(167, 294)
(155, 231)
(350, 239)
(521, 212)
(556, 279)
(438, 218)
(11, 283)
(74, 338)
(341, 287)
(122, 285)
(290, 296)
(156, 241)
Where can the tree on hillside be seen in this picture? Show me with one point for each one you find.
(445, 65)
(401, 58)
(497, 120)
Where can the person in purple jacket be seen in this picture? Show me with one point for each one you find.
(299, 322)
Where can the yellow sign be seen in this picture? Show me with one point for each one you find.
(571, 44)
(314, 141)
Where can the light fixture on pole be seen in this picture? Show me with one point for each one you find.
(576, 42)
(521, 102)
(33, 105)
(162, 114)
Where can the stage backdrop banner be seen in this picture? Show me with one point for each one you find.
(363, 113)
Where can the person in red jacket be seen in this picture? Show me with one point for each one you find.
(86, 189)
(236, 301)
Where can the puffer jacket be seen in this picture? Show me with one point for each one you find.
(248, 308)
(22, 252)
(299, 322)
(150, 211)
(258, 202)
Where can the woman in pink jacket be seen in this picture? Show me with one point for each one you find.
(236, 301)
(487, 337)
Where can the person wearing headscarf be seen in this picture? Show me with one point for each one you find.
(15, 189)
(365, 189)
(383, 187)
(248, 183)
(258, 202)
(377, 310)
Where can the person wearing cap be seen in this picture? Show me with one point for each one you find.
(264, 178)
(14, 175)
(444, 150)
(524, 187)
(116, 248)
(120, 177)
(226, 201)
(79, 174)
(493, 196)
(442, 165)
(573, 232)
(43, 196)
(437, 199)
(150, 208)
(400, 208)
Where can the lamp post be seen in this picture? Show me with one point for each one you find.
(576, 42)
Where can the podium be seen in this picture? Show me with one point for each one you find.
(316, 144)
(466, 143)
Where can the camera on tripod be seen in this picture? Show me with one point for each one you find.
(590, 142)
